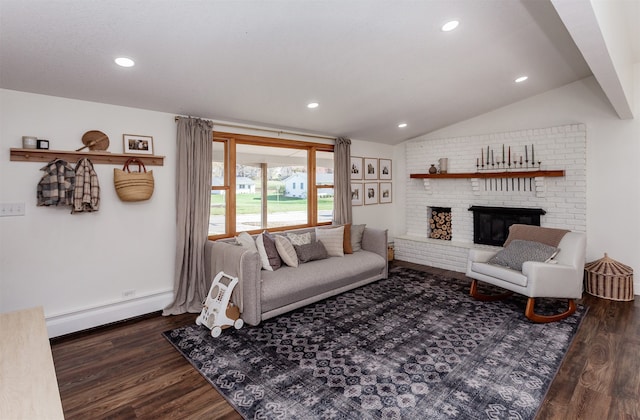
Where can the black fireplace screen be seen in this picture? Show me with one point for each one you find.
(491, 224)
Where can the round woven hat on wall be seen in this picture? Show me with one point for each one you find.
(95, 140)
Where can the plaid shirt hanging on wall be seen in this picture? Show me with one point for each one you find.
(56, 186)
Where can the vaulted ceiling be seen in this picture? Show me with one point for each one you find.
(370, 65)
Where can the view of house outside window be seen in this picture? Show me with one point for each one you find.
(272, 188)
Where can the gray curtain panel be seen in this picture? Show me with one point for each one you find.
(193, 203)
(342, 181)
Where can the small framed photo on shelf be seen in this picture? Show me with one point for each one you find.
(43, 144)
(356, 167)
(371, 193)
(370, 168)
(139, 145)
(356, 194)
(385, 193)
(384, 169)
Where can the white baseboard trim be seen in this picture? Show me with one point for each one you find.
(93, 317)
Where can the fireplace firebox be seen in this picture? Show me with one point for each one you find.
(491, 224)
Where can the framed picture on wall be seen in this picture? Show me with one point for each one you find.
(356, 194)
(385, 192)
(140, 145)
(356, 167)
(370, 168)
(384, 169)
(371, 193)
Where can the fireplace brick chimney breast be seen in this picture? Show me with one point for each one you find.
(560, 147)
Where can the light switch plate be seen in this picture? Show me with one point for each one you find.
(11, 209)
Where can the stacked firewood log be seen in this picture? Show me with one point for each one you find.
(440, 225)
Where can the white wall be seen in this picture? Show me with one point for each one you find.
(613, 150)
(380, 216)
(563, 198)
(78, 266)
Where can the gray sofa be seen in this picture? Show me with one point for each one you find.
(263, 294)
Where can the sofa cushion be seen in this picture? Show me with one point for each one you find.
(332, 239)
(288, 285)
(500, 272)
(286, 251)
(519, 251)
(357, 231)
(311, 252)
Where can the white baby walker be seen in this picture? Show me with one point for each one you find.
(217, 312)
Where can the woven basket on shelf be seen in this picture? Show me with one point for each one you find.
(609, 279)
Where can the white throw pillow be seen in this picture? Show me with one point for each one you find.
(332, 239)
(246, 241)
(287, 251)
(264, 258)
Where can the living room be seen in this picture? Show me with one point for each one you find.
(93, 269)
(110, 248)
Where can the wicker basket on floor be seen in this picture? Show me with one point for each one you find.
(609, 279)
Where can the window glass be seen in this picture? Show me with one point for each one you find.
(218, 214)
(217, 167)
(324, 184)
(278, 201)
(265, 183)
(248, 195)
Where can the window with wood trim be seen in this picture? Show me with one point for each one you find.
(267, 183)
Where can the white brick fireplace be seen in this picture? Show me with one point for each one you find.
(563, 198)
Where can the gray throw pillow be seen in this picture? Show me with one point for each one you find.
(519, 251)
(311, 252)
(272, 252)
(356, 237)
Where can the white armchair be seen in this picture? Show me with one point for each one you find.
(560, 278)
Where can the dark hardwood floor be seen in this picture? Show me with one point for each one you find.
(129, 371)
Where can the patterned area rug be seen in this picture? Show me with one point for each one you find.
(414, 346)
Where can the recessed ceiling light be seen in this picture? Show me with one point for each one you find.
(450, 26)
(521, 79)
(313, 105)
(124, 62)
(402, 125)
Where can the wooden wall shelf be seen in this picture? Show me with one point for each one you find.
(510, 174)
(39, 155)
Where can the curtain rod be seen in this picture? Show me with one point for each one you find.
(248, 127)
